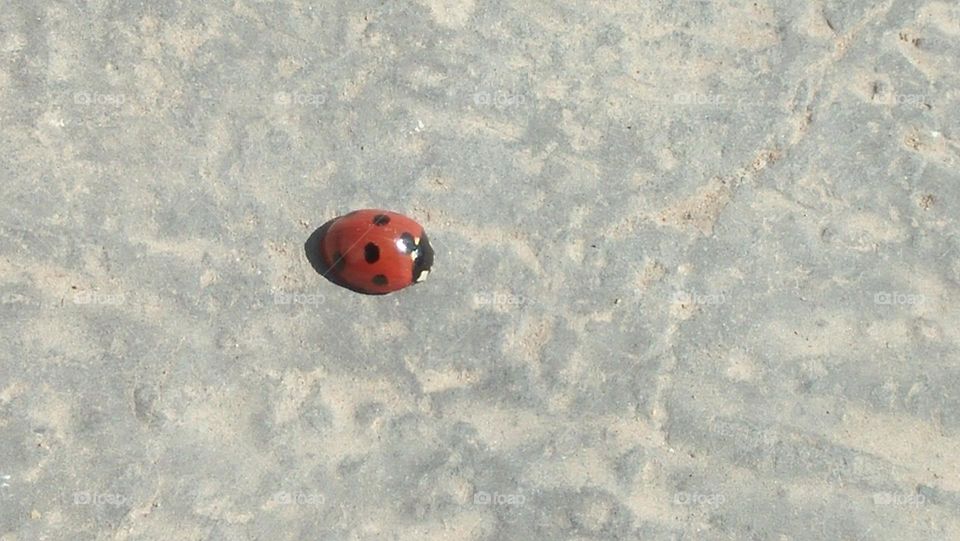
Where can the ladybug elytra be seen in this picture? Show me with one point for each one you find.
(376, 251)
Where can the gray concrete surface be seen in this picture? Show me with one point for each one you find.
(697, 275)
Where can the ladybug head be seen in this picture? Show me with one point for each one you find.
(423, 260)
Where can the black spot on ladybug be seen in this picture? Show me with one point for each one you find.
(408, 243)
(381, 219)
(380, 280)
(371, 252)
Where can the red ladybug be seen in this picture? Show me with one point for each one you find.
(376, 251)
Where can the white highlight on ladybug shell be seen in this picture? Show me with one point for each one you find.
(415, 253)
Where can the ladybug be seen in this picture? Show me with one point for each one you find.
(376, 251)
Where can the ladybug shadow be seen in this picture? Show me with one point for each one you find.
(314, 250)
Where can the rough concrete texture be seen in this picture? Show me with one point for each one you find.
(697, 275)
